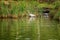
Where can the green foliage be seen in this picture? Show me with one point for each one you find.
(14, 8)
(57, 14)
(57, 8)
(4, 8)
(22, 6)
(57, 4)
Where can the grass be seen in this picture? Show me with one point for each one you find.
(17, 9)
(20, 7)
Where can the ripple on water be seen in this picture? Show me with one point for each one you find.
(18, 37)
(27, 39)
(52, 39)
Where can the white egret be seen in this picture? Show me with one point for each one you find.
(32, 15)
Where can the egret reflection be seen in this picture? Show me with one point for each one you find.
(31, 19)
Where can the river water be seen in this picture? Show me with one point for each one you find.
(29, 29)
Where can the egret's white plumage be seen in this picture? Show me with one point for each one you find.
(32, 15)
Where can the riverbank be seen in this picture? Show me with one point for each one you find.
(16, 16)
(27, 16)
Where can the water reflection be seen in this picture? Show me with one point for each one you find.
(46, 15)
(29, 29)
(31, 19)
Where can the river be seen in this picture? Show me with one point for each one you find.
(29, 29)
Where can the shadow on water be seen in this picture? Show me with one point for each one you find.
(29, 29)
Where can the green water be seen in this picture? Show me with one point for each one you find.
(29, 29)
